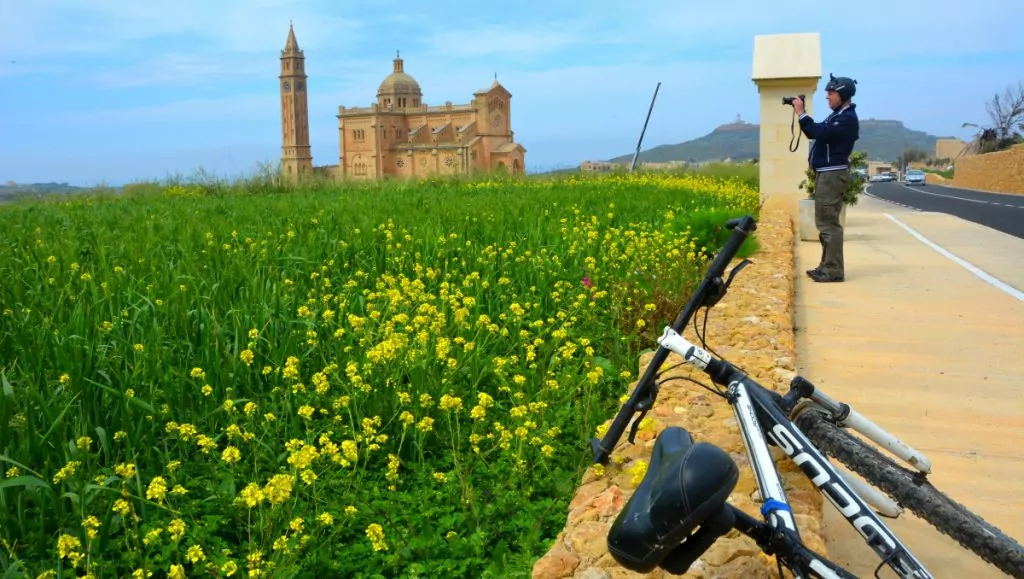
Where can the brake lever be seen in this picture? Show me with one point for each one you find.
(719, 287)
(736, 270)
(643, 406)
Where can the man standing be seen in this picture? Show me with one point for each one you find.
(829, 158)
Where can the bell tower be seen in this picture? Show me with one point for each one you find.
(296, 158)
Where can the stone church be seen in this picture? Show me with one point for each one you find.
(399, 135)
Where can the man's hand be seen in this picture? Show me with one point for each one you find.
(798, 105)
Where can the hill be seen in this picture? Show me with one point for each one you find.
(883, 140)
(12, 191)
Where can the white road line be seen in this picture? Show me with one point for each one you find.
(961, 198)
(1012, 291)
(869, 194)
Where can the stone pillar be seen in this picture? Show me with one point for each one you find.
(784, 65)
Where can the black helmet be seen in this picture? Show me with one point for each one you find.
(846, 87)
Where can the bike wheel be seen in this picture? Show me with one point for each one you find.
(913, 492)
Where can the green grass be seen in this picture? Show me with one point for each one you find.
(392, 379)
(944, 174)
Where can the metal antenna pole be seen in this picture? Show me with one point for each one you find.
(632, 165)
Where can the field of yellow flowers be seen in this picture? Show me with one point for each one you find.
(368, 381)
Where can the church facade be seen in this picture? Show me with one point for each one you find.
(400, 135)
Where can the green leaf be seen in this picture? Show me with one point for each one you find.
(604, 363)
(14, 571)
(24, 481)
(138, 403)
(8, 389)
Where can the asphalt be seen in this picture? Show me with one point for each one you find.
(1002, 212)
(924, 339)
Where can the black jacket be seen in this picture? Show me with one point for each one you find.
(833, 138)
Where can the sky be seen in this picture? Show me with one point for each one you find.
(114, 91)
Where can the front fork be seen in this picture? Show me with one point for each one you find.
(804, 396)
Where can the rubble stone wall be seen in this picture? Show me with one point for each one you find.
(752, 327)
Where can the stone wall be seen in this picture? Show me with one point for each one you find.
(751, 327)
(1002, 171)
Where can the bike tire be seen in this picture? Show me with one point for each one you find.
(913, 492)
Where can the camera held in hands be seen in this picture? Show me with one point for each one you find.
(789, 100)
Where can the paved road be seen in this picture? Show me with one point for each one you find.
(1002, 212)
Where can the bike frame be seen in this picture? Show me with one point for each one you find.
(760, 415)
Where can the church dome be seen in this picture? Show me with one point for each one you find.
(399, 83)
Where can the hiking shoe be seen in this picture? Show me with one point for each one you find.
(822, 277)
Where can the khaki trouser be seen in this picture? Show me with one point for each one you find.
(829, 187)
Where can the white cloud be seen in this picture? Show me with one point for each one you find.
(47, 28)
(505, 41)
(184, 70)
(218, 110)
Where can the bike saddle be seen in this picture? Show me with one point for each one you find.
(685, 487)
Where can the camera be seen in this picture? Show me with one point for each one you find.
(789, 100)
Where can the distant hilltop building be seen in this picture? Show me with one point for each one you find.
(399, 135)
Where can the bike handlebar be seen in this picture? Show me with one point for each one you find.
(711, 289)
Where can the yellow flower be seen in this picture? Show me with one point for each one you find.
(279, 488)
(230, 455)
(157, 489)
(67, 545)
(451, 403)
(176, 528)
(251, 496)
(376, 535)
(638, 471)
(65, 472)
(121, 507)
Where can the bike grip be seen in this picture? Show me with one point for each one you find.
(745, 226)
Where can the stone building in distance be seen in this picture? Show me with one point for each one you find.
(400, 135)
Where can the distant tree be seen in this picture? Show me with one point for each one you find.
(1006, 113)
(911, 156)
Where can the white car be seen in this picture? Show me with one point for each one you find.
(915, 177)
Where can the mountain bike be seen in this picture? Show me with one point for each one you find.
(679, 509)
